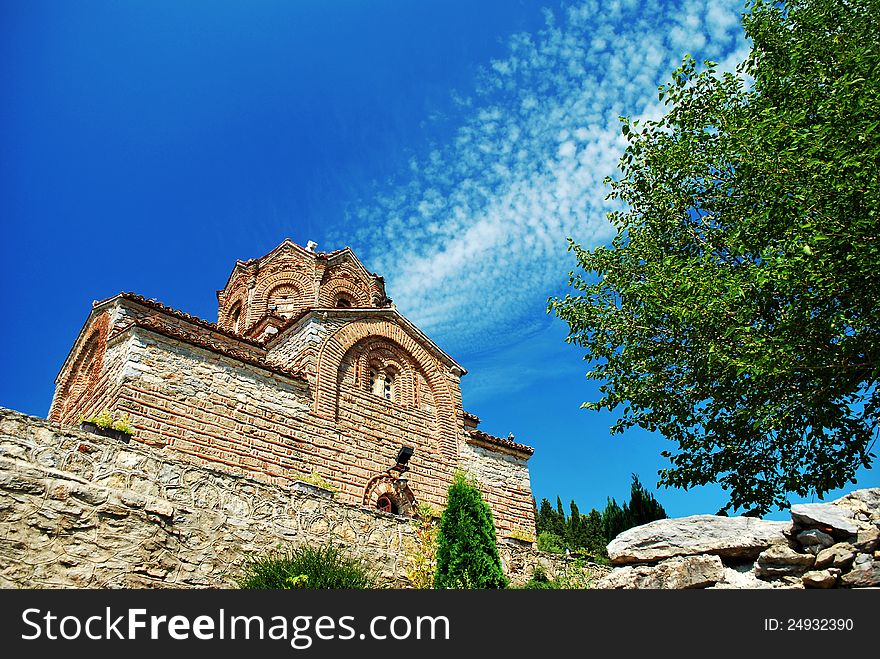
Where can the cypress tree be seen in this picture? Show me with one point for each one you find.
(614, 519)
(643, 507)
(467, 555)
(595, 541)
(575, 528)
(544, 519)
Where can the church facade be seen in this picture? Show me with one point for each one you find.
(309, 373)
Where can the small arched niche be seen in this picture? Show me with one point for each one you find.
(285, 300)
(390, 494)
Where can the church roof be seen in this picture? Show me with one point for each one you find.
(478, 436)
(287, 243)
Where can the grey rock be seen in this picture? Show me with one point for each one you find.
(862, 562)
(862, 578)
(867, 500)
(820, 578)
(728, 537)
(867, 540)
(782, 561)
(840, 556)
(815, 540)
(674, 573)
(825, 515)
(734, 579)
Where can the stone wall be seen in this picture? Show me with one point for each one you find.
(80, 510)
(825, 545)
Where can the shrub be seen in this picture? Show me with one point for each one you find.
(123, 424)
(539, 580)
(548, 541)
(467, 554)
(423, 554)
(576, 575)
(318, 481)
(315, 568)
(103, 420)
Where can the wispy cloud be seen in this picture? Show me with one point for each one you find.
(471, 236)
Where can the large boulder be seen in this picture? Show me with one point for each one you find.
(674, 573)
(836, 519)
(727, 537)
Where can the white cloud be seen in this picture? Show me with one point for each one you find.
(472, 237)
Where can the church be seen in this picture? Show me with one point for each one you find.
(309, 374)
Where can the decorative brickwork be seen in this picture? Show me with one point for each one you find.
(290, 382)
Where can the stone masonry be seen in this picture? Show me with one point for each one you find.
(81, 510)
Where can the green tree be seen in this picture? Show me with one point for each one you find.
(643, 507)
(542, 519)
(595, 541)
(550, 520)
(614, 519)
(467, 554)
(735, 311)
(575, 528)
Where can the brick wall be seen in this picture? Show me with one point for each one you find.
(240, 405)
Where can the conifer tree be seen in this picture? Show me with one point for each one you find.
(595, 541)
(614, 519)
(544, 520)
(467, 554)
(575, 528)
(643, 507)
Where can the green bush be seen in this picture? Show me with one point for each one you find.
(467, 554)
(539, 580)
(315, 568)
(548, 541)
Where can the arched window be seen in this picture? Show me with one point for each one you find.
(284, 300)
(235, 317)
(343, 302)
(386, 504)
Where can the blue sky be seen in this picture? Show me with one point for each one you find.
(453, 145)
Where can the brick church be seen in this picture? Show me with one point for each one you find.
(309, 371)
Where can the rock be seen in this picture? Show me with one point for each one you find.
(840, 556)
(728, 537)
(820, 578)
(159, 507)
(862, 562)
(815, 540)
(866, 500)
(863, 578)
(734, 579)
(867, 540)
(674, 573)
(782, 561)
(826, 515)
